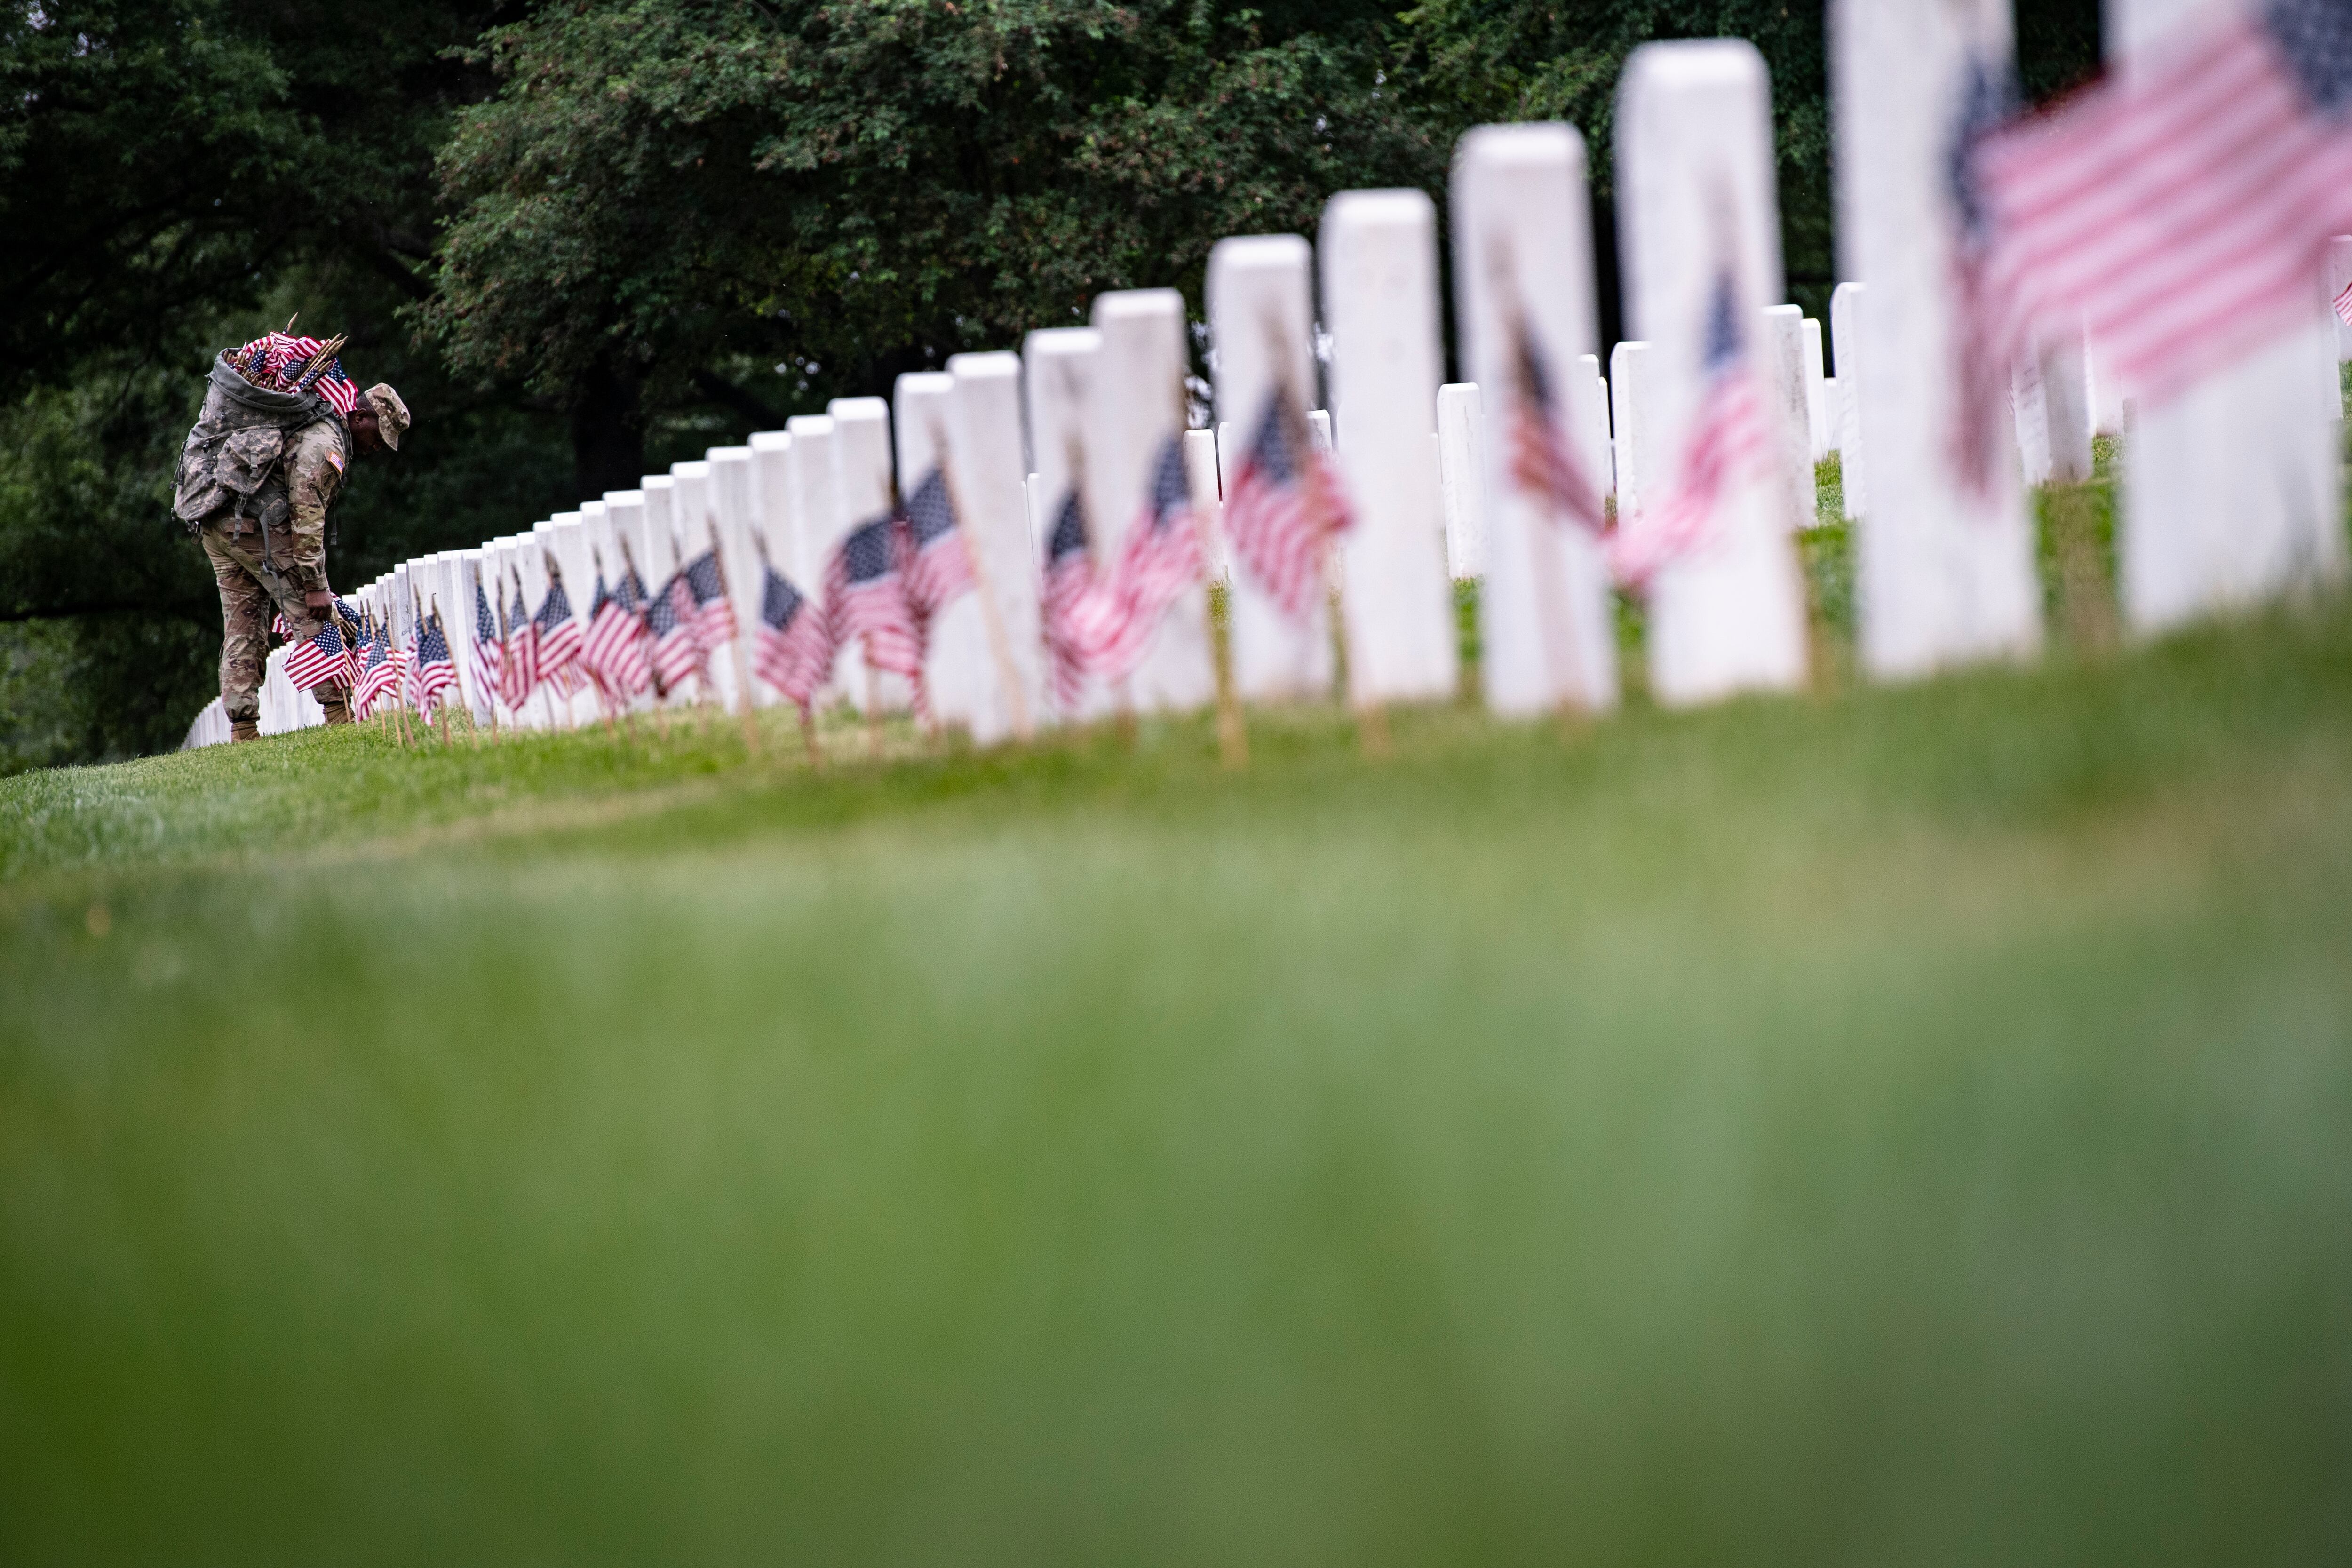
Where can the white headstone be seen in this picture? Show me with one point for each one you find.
(2231, 494)
(1137, 411)
(1588, 407)
(773, 514)
(1791, 396)
(1696, 209)
(808, 465)
(1261, 311)
(2067, 411)
(1943, 574)
(1634, 460)
(954, 672)
(984, 431)
(2030, 419)
(1057, 386)
(734, 503)
(1208, 487)
(1817, 405)
(1846, 347)
(1379, 305)
(863, 487)
(1523, 265)
(1461, 471)
(2339, 278)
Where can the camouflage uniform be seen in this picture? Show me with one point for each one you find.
(256, 569)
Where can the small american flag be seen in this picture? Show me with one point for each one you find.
(322, 658)
(434, 670)
(1729, 442)
(2343, 305)
(615, 652)
(377, 670)
(938, 562)
(1285, 506)
(520, 675)
(677, 652)
(2180, 212)
(794, 649)
(488, 655)
(1073, 608)
(556, 635)
(1159, 559)
(1543, 462)
(713, 612)
(866, 598)
(274, 361)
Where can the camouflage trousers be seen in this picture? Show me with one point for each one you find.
(250, 588)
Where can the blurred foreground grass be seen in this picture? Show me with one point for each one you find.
(1911, 1128)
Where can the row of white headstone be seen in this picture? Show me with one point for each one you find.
(2229, 492)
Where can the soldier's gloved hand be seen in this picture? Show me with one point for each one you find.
(318, 599)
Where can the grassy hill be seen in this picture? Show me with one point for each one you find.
(1900, 1126)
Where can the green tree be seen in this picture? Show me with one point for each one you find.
(821, 194)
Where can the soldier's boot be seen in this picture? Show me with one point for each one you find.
(335, 708)
(244, 730)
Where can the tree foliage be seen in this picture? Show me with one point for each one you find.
(656, 187)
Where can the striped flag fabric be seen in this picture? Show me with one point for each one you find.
(1543, 463)
(488, 653)
(433, 671)
(324, 658)
(1072, 608)
(1286, 505)
(1729, 442)
(939, 561)
(555, 635)
(2342, 304)
(1159, 558)
(2179, 213)
(675, 651)
(377, 671)
(520, 677)
(275, 360)
(712, 616)
(615, 651)
(865, 599)
(792, 650)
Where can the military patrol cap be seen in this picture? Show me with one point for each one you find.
(391, 413)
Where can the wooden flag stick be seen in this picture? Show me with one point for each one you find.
(1000, 644)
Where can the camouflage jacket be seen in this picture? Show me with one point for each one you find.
(315, 457)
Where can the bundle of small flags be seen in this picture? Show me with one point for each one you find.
(278, 363)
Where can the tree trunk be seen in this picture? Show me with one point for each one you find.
(608, 432)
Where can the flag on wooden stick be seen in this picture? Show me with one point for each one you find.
(1286, 505)
(324, 658)
(938, 564)
(865, 600)
(792, 649)
(1543, 459)
(1073, 609)
(1159, 558)
(1729, 443)
(2180, 212)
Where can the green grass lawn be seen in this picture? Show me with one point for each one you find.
(1906, 1126)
